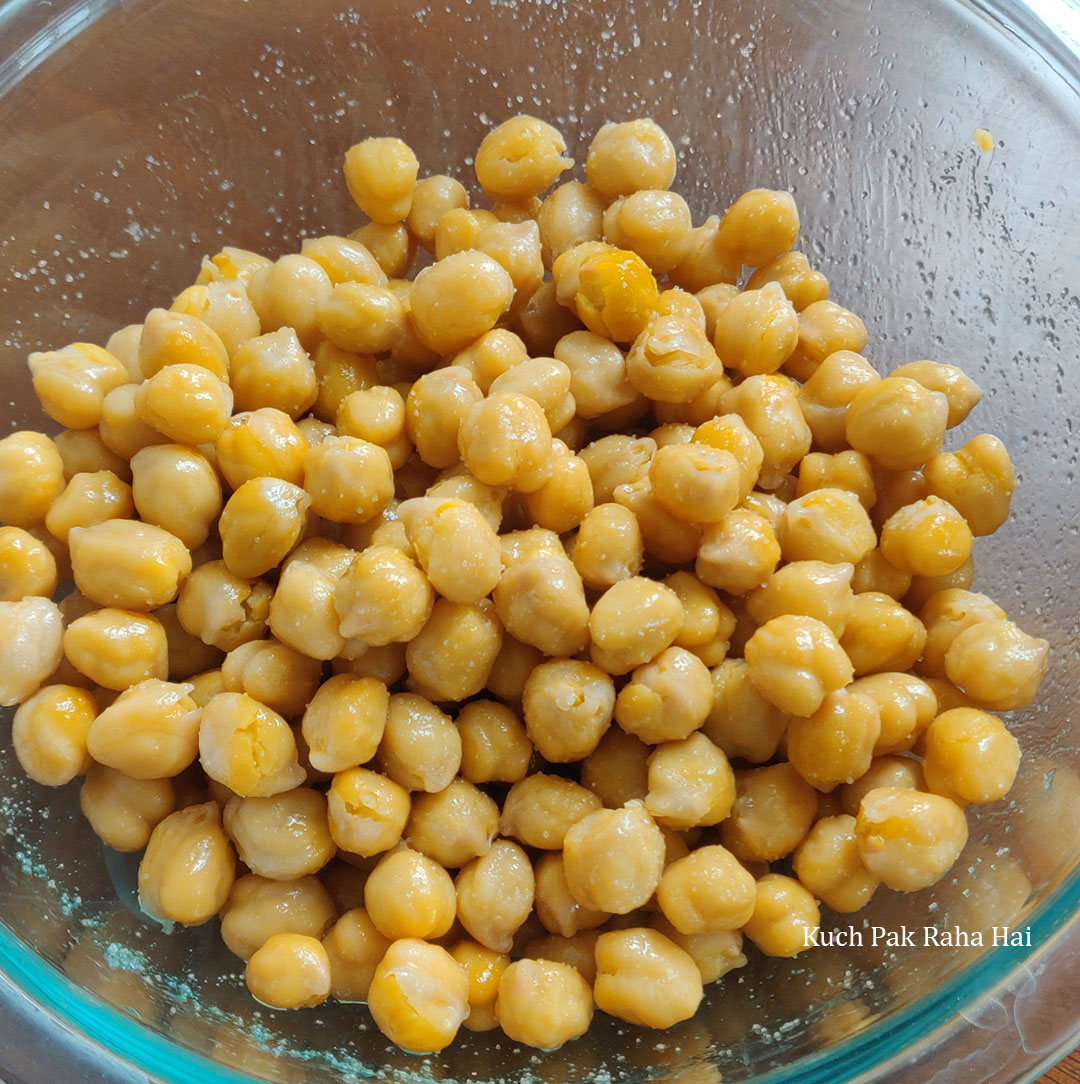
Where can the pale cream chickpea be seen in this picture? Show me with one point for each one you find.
(828, 525)
(344, 259)
(258, 909)
(380, 174)
(897, 422)
(344, 722)
(826, 395)
(361, 317)
(608, 547)
(82, 451)
(383, 597)
(773, 809)
(906, 704)
(738, 552)
(367, 812)
(117, 648)
(409, 895)
(785, 916)
(431, 199)
(540, 809)
(260, 442)
(945, 615)
(393, 247)
(176, 488)
(455, 545)
(970, 756)
(882, 635)
(568, 706)
(706, 264)
(997, 664)
(836, 743)
(49, 734)
(349, 480)
(667, 699)
(654, 223)
(616, 460)
(274, 371)
(927, 538)
(977, 479)
(706, 891)
(756, 331)
(570, 214)
(123, 344)
(961, 391)
(695, 482)
(174, 338)
(632, 623)
(848, 470)
(185, 403)
(453, 825)
(613, 858)
(495, 746)
(490, 356)
(741, 721)
(483, 968)
(909, 839)
(922, 588)
(672, 360)
(260, 523)
(31, 478)
(730, 433)
(495, 894)
(278, 676)
(122, 430)
(825, 328)
(874, 573)
(541, 601)
(505, 440)
(520, 158)
(644, 978)
(289, 971)
(453, 654)
(457, 299)
(420, 747)
(188, 867)
(759, 226)
(903, 772)
(818, 589)
(769, 405)
(123, 811)
(557, 909)
(282, 837)
(354, 947)
(690, 783)
(150, 731)
(247, 747)
(616, 771)
(801, 284)
(543, 1003)
(72, 382)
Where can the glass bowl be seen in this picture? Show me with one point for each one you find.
(137, 135)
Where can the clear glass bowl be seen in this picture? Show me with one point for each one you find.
(136, 136)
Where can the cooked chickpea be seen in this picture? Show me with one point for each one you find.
(224, 307)
(123, 811)
(543, 1003)
(338, 374)
(72, 382)
(945, 615)
(289, 971)
(260, 442)
(817, 589)
(495, 895)
(611, 290)
(176, 488)
(222, 609)
(348, 479)
(741, 721)
(977, 479)
(908, 839)
(276, 675)
(393, 247)
(801, 285)
(922, 587)
(616, 771)
(117, 648)
(188, 867)
(383, 598)
(706, 891)
(258, 909)
(282, 837)
(515, 246)
(361, 317)
(756, 331)
(690, 783)
(367, 811)
(608, 547)
(759, 226)
(453, 825)
(825, 328)
(903, 772)
(431, 199)
(672, 360)
(997, 663)
(355, 948)
(31, 478)
(848, 470)
(84, 452)
(828, 525)
(906, 705)
(706, 264)
(436, 407)
(568, 706)
(897, 423)
(961, 391)
(453, 654)
(836, 744)
(420, 746)
(557, 909)
(616, 460)
(695, 482)
(520, 158)
(27, 567)
(627, 157)
(176, 338)
(494, 744)
(344, 259)
(784, 914)
(49, 734)
(571, 214)
(261, 522)
(644, 978)
(302, 612)
(927, 538)
(540, 809)
(484, 968)
(874, 573)
(882, 635)
(186, 403)
(654, 223)
(738, 552)
(826, 395)
(970, 756)
(122, 430)
(541, 601)
(665, 537)
(344, 722)
(506, 440)
(769, 406)
(274, 371)
(380, 174)
(667, 699)
(409, 895)
(633, 622)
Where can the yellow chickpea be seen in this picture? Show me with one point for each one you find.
(186, 403)
(616, 771)
(928, 538)
(827, 524)
(801, 285)
(260, 442)
(278, 676)
(970, 756)
(897, 422)
(495, 895)
(282, 837)
(383, 598)
(289, 971)
(738, 552)
(393, 247)
(31, 478)
(355, 948)
(367, 811)
(258, 909)
(231, 265)
(613, 859)
(261, 522)
(706, 891)
(667, 699)
(453, 825)
(874, 573)
(453, 654)
(302, 613)
(344, 722)
(827, 863)
(82, 451)
(380, 174)
(922, 587)
(568, 706)
(543, 1003)
(409, 895)
(571, 213)
(769, 405)
(998, 664)
(615, 460)
(72, 382)
(361, 317)
(977, 479)
(27, 567)
(540, 809)
(654, 223)
(274, 371)
(961, 391)
(49, 734)
(348, 479)
(882, 635)
(945, 615)
(117, 648)
(176, 488)
(741, 721)
(909, 840)
(706, 264)
(431, 199)
(123, 811)
(506, 440)
(541, 602)
(644, 978)
(611, 290)
(759, 226)
(484, 968)
(520, 158)
(420, 746)
(695, 482)
(630, 156)
(672, 360)
(836, 744)
(690, 783)
(848, 470)
(817, 589)
(632, 622)
(826, 395)
(906, 705)
(222, 609)
(756, 331)
(495, 746)
(825, 328)
(188, 867)
(176, 338)
(344, 259)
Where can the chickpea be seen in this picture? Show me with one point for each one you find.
(515, 246)
(695, 482)
(906, 705)
(970, 756)
(302, 613)
(222, 609)
(922, 587)
(568, 706)
(836, 744)
(367, 811)
(261, 522)
(897, 423)
(393, 247)
(945, 615)
(123, 811)
(616, 771)
(344, 722)
(348, 479)
(27, 567)
(625, 158)
(571, 214)
(82, 451)
(258, 909)
(613, 858)
(827, 524)
(557, 909)
(616, 460)
(896, 489)
(122, 430)
(977, 479)
(344, 259)
(420, 746)
(769, 406)
(512, 666)
(738, 552)
(848, 470)
(644, 978)
(289, 971)
(431, 199)
(495, 746)
(543, 1003)
(117, 648)
(456, 483)
(381, 175)
(361, 317)
(355, 948)
(997, 663)
(383, 598)
(817, 589)
(664, 536)
(506, 440)
(882, 635)
(667, 699)
(409, 895)
(611, 290)
(483, 968)
(274, 371)
(282, 837)
(72, 382)
(961, 391)
(825, 328)
(540, 809)
(690, 783)
(31, 478)
(654, 223)
(385, 664)
(671, 360)
(801, 285)
(756, 331)
(908, 839)
(231, 265)
(453, 654)
(49, 734)
(186, 403)
(260, 442)
(177, 338)
(188, 867)
(633, 622)
(495, 895)
(759, 226)
(520, 158)
(827, 863)
(928, 538)
(706, 891)
(874, 573)
(741, 721)
(453, 825)
(608, 547)
(705, 264)
(247, 747)
(176, 488)
(715, 953)
(541, 601)
(785, 913)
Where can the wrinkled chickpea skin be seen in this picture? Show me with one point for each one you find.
(513, 623)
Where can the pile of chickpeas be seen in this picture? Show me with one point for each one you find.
(514, 639)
